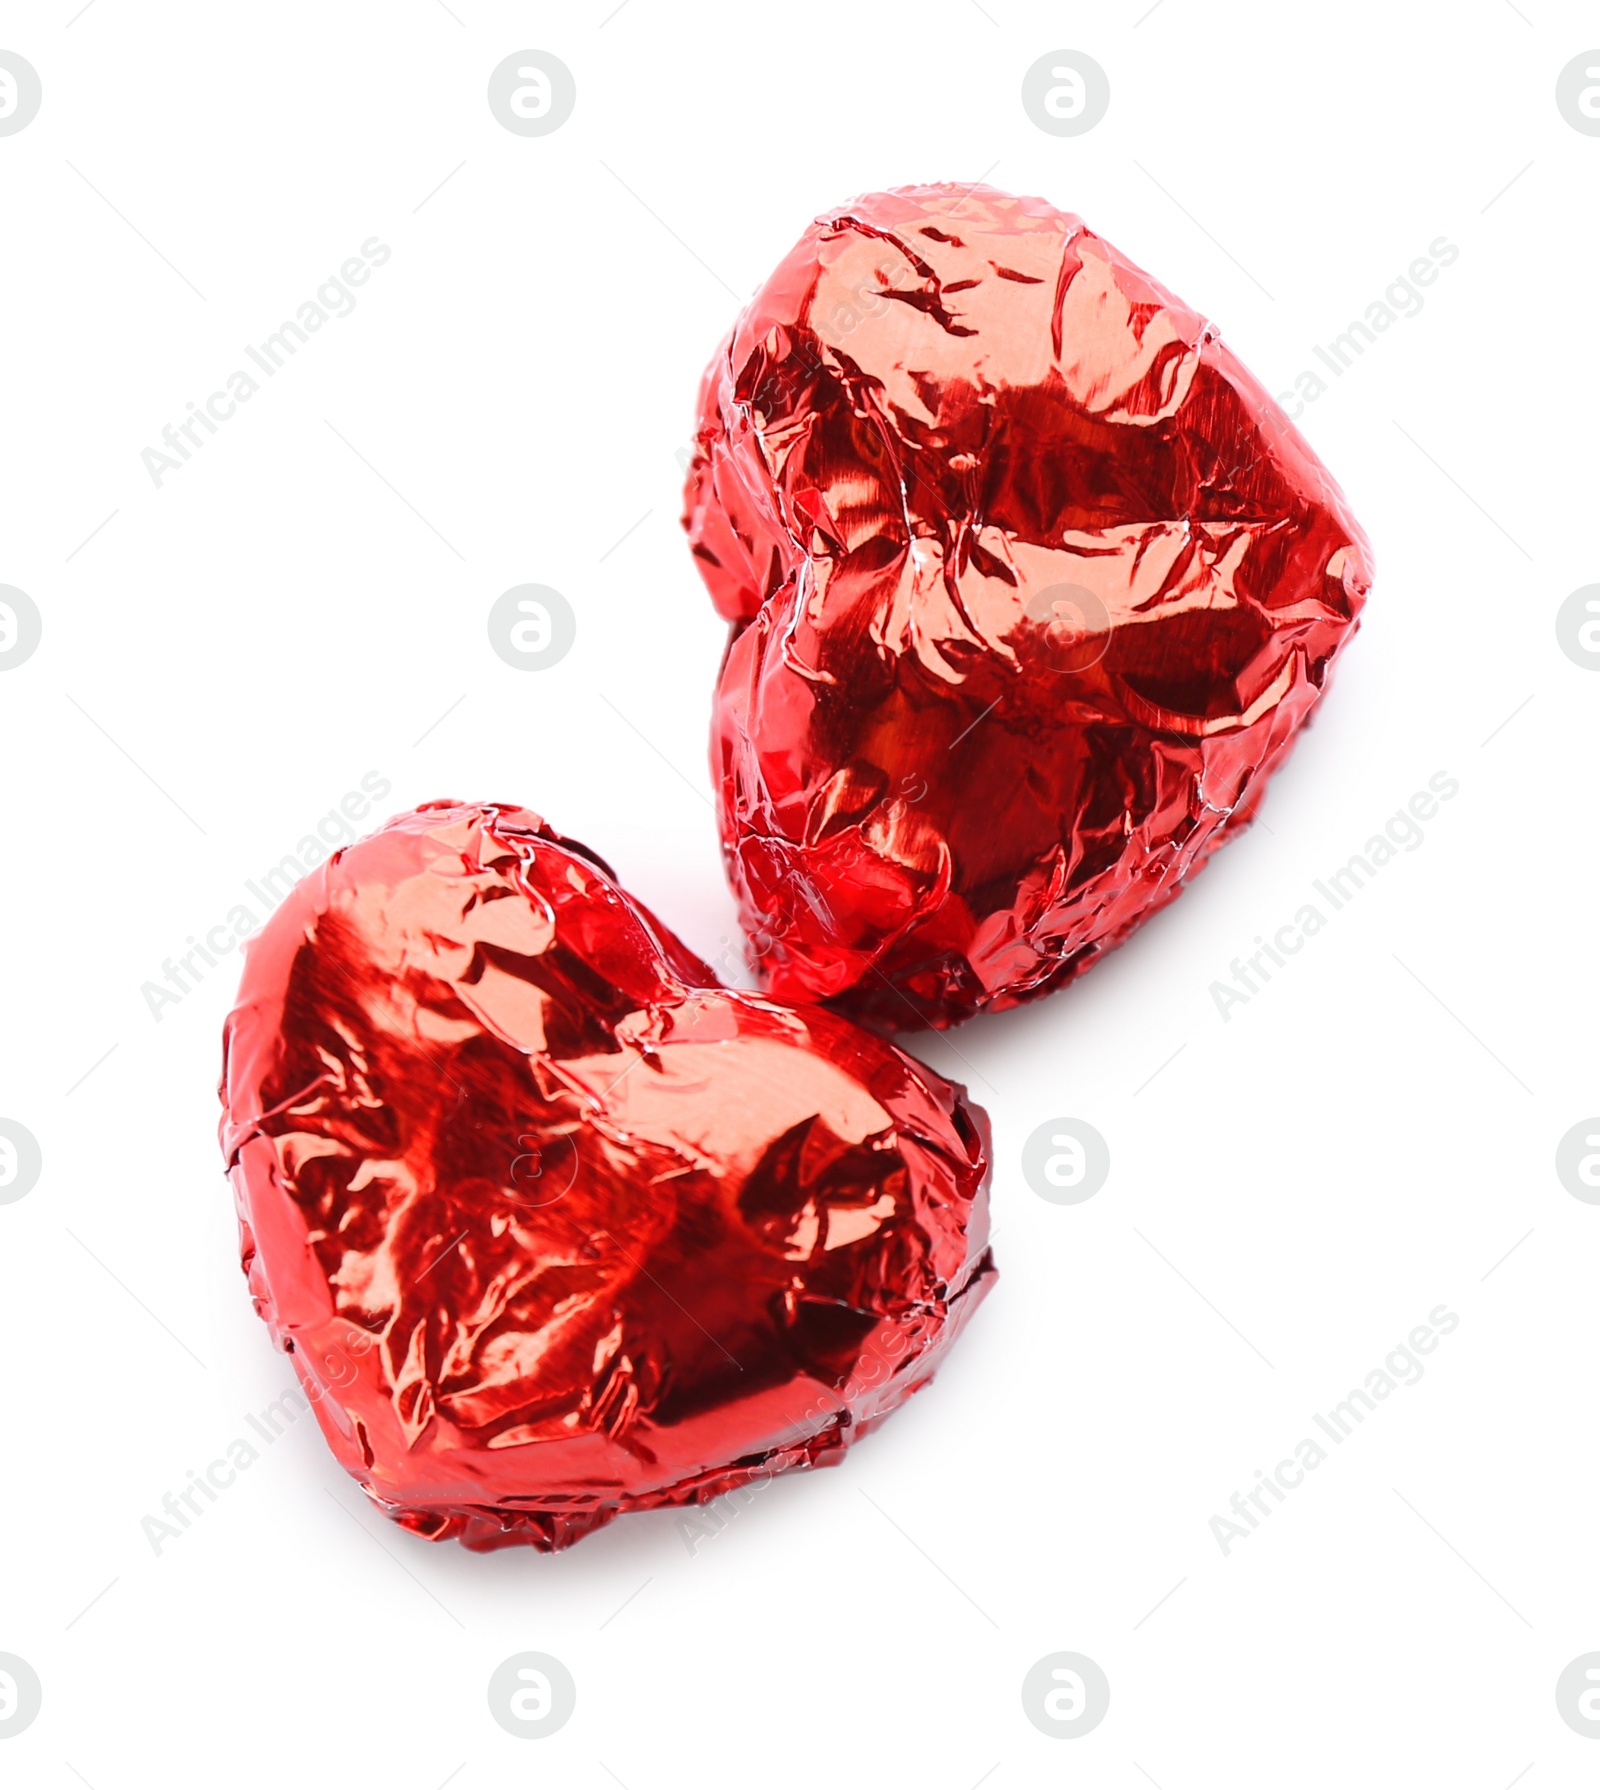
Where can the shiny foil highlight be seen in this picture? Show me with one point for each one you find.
(1030, 585)
(555, 1227)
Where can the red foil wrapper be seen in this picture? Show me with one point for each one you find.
(1031, 585)
(553, 1225)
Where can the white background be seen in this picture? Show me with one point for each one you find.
(1300, 1186)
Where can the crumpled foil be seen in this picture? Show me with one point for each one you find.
(1031, 585)
(554, 1226)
